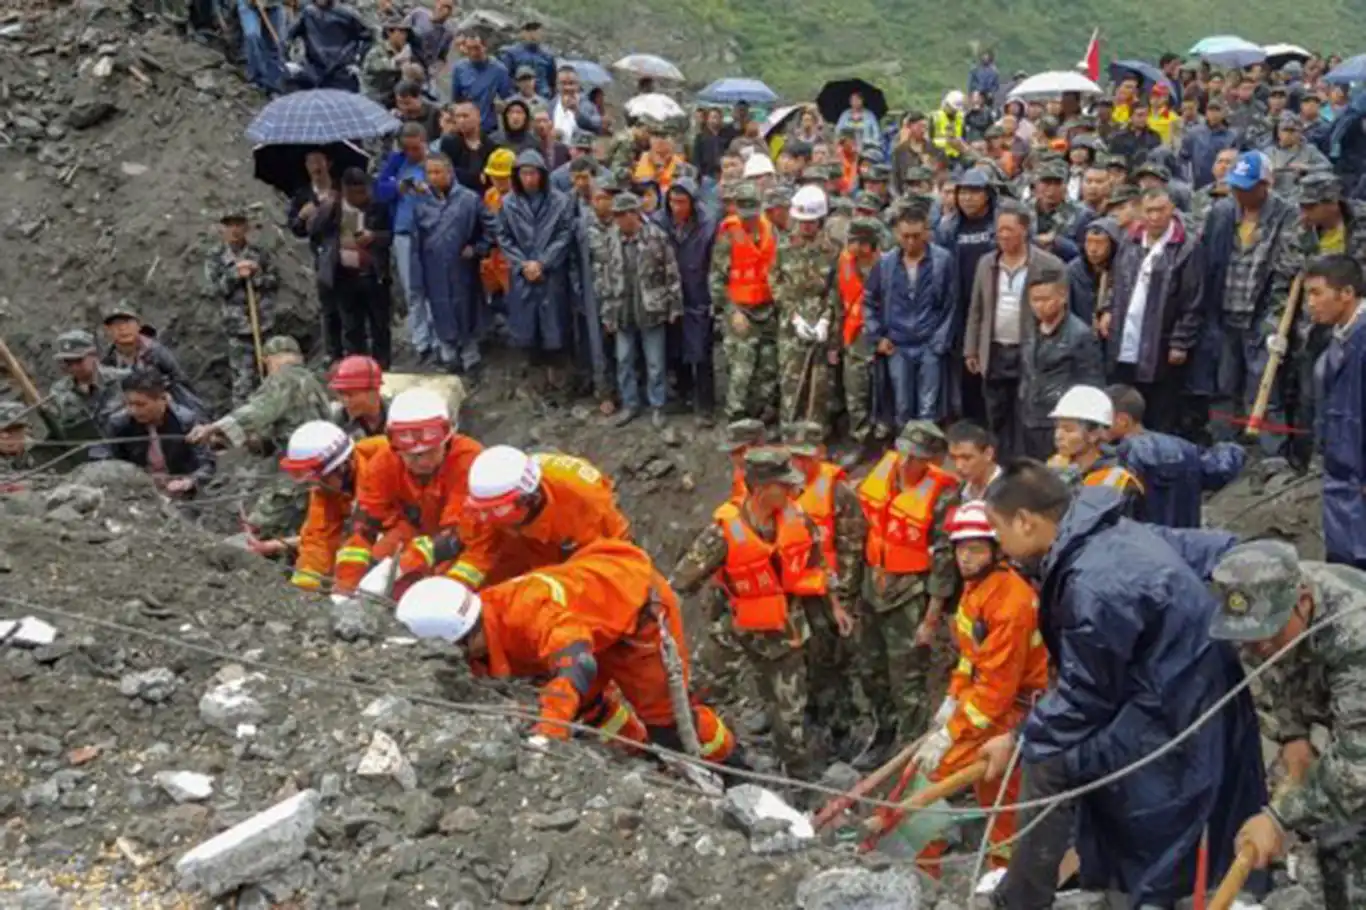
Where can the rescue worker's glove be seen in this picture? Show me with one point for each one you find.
(947, 708)
(931, 751)
(1277, 345)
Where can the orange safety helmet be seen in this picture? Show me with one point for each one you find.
(356, 373)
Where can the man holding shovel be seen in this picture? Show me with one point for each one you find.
(242, 275)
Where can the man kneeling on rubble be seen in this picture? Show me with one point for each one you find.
(599, 618)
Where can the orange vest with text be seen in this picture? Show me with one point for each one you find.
(751, 262)
(850, 284)
(759, 576)
(818, 501)
(900, 521)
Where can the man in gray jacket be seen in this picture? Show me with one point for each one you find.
(1060, 353)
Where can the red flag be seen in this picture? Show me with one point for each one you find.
(1091, 60)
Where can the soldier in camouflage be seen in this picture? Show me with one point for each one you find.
(234, 265)
(641, 295)
(807, 334)
(910, 576)
(15, 455)
(778, 207)
(1268, 599)
(1203, 199)
(751, 321)
(1055, 216)
(771, 603)
(829, 500)
(80, 404)
(290, 396)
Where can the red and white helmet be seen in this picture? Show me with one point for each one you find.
(315, 449)
(419, 421)
(356, 373)
(969, 522)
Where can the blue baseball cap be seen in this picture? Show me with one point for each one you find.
(1251, 169)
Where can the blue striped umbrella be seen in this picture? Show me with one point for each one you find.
(733, 91)
(319, 117)
(591, 74)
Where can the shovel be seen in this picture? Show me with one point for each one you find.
(832, 810)
(880, 824)
(1233, 881)
(254, 314)
(1273, 363)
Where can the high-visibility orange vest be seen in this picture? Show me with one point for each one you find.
(1115, 477)
(648, 172)
(738, 488)
(818, 501)
(850, 284)
(849, 180)
(899, 523)
(759, 576)
(751, 263)
(495, 273)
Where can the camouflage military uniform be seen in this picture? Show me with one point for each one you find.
(1322, 682)
(287, 398)
(657, 297)
(801, 289)
(752, 354)
(12, 418)
(79, 415)
(1202, 200)
(220, 272)
(895, 673)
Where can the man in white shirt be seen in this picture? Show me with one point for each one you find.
(570, 110)
(973, 453)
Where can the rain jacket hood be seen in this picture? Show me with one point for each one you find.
(530, 158)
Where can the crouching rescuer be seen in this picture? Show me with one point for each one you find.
(1002, 666)
(594, 627)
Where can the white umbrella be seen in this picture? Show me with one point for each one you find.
(1280, 54)
(648, 66)
(654, 106)
(1051, 85)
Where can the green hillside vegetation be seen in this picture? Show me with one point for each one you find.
(916, 49)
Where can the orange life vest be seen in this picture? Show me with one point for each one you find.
(738, 489)
(851, 295)
(849, 180)
(751, 263)
(648, 172)
(759, 576)
(818, 501)
(495, 273)
(1115, 477)
(899, 522)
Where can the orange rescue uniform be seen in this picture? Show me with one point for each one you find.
(751, 262)
(578, 507)
(588, 623)
(850, 285)
(422, 519)
(1002, 666)
(900, 521)
(494, 271)
(325, 524)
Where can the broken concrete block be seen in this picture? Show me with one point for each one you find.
(29, 632)
(185, 786)
(384, 759)
(266, 842)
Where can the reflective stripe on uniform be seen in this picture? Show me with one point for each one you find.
(979, 720)
(425, 546)
(964, 624)
(964, 666)
(714, 745)
(556, 589)
(1036, 639)
(306, 580)
(359, 555)
(466, 574)
(613, 725)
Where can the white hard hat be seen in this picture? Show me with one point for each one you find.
(316, 448)
(1085, 402)
(439, 607)
(954, 99)
(969, 522)
(419, 419)
(809, 204)
(500, 472)
(759, 165)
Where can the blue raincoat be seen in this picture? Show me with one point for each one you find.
(692, 243)
(1175, 472)
(1341, 378)
(538, 227)
(448, 281)
(1126, 621)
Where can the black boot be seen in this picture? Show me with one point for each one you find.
(878, 751)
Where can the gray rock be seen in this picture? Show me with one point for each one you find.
(185, 786)
(421, 813)
(388, 710)
(627, 819)
(122, 476)
(39, 897)
(266, 842)
(155, 686)
(85, 500)
(384, 758)
(659, 887)
(840, 776)
(351, 621)
(84, 114)
(860, 889)
(524, 879)
(464, 820)
(630, 791)
(229, 704)
(1081, 900)
(767, 835)
(40, 744)
(42, 795)
(1295, 897)
(561, 820)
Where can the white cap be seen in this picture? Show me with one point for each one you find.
(1085, 402)
(441, 608)
(809, 204)
(759, 165)
(318, 446)
(955, 100)
(502, 470)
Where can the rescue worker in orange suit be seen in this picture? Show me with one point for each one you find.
(412, 495)
(545, 506)
(322, 455)
(766, 553)
(910, 577)
(1002, 666)
(830, 502)
(356, 381)
(741, 436)
(858, 258)
(743, 264)
(1082, 420)
(592, 626)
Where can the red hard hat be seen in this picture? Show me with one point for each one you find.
(356, 373)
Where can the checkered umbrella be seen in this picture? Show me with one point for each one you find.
(318, 117)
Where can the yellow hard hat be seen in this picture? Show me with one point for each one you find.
(500, 163)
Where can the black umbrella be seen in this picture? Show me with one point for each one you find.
(834, 98)
(282, 166)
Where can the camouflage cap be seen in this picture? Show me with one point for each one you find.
(729, 190)
(280, 344)
(623, 203)
(524, 72)
(805, 437)
(1289, 120)
(747, 199)
(13, 414)
(583, 140)
(1125, 192)
(1257, 585)
(1116, 162)
(921, 439)
(742, 433)
(920, 174)
(994, 132)
(878, 172)
(121, 310)
(778, 196)
(872, 154)
(867, 202)
(865, 230)
(771, 464)
(1052, 169)
(1153, 169)
(233, 216)
(74, 345)
(1320, 186)
(607, 183)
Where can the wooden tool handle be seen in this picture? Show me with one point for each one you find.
(1233, 882)
(254, 314)
(958, 780)
(831, 810)
(19, 375)
(1273, 364)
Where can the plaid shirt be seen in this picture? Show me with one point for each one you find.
(1269, 262)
